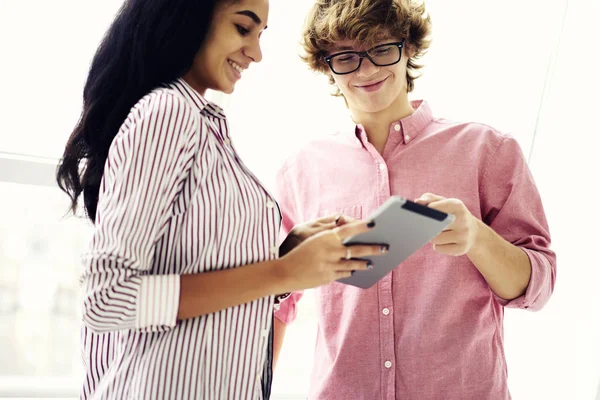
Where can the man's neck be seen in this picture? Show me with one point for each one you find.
(377, 124)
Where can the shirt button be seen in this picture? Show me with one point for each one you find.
(274, 250)
(270, 204)
(382, 167)
(386, 311)
(397, 127)
(406, 138)
(388, 364)
(227, 141)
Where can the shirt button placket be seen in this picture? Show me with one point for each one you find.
(386, 316)
(382, 175)
(383, 189)
(386, 340)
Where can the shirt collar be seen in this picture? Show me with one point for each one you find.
(196, 99)
(409, 127)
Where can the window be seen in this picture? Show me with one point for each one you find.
(39, 315)
(46, 50)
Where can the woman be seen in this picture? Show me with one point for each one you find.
(182, 271)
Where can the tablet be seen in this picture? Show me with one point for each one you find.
(404, 225)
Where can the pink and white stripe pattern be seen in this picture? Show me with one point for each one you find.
(175, 199)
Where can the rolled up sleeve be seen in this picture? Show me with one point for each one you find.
(147, 164)
(288, 309)
(511, 205)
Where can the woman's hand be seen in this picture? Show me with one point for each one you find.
(323, 258)
(301, 232)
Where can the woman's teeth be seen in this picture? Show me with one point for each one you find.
(237, 67)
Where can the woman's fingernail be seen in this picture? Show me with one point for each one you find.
(371, 224)
(369, 265)
(385, 249)
(352, 273)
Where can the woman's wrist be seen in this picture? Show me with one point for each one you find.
(278, 275)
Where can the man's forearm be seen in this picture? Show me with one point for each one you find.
(505, 267)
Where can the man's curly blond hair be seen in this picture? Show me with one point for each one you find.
(366, 22)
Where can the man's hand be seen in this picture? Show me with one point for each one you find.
(462, 235)
(301, 232)
(504, 266)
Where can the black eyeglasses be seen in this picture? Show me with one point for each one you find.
(383, 55)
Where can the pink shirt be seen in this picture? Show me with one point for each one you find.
(432, 328)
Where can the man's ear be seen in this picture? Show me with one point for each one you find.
(329, 76)
(409, 50)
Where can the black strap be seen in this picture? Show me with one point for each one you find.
(267, 376)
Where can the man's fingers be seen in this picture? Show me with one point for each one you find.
(443, 206)
(449, 249)
(426, 198)
(446, 237)
(449, 206)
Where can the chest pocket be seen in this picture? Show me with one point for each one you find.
(349, 211)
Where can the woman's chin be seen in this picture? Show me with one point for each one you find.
(227, 87)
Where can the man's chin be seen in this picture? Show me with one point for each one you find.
(372, 108)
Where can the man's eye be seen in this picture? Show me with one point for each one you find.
(382, 52)
(243, 31)
(345, 59)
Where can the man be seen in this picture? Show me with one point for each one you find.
(433, 328)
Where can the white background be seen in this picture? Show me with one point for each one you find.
(528, 67)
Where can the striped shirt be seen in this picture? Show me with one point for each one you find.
(175, 199)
